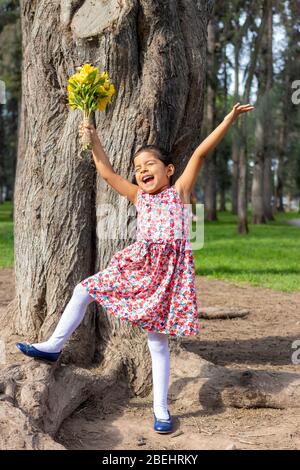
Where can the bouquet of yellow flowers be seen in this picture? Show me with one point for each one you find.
(88, 91)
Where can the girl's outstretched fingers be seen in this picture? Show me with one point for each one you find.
(238, 109)
(245, 108)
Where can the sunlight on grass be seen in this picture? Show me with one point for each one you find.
(6, 235)
(269, 256)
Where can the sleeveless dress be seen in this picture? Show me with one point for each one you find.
(151, 283)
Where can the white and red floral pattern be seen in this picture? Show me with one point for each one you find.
(151, 282)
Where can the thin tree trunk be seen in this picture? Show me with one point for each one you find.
(258, 214)
(242, 185)
(281, 155)
(286, 115)
(222, 160)
(2, 154)
(262, 174)
(238, 38)
(242, 191)
(222, 199)
(210, 188)
(235, 142)
(269, 126)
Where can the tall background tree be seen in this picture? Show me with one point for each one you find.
(246, 63)
(10, 74)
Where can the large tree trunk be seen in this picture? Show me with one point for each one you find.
(155, 54)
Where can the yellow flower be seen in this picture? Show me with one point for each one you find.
(78, 77)
(102, 103)
(71, 101)
(86, 69)
(111, 90)
(70, 88)
(104, 75)
(88, 90)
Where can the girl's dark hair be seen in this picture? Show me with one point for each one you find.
(159, 153)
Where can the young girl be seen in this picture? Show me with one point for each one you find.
(150, 283)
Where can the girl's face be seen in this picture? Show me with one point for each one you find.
(151, 174)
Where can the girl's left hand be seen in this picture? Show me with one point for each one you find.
(237, 110)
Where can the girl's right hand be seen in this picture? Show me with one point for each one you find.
(89, 129)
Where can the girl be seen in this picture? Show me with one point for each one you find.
(150, 283)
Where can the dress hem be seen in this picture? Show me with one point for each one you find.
(136, 323)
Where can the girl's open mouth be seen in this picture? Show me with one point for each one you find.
(147, 180)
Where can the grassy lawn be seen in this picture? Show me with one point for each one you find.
(269, 256)
(6, 235)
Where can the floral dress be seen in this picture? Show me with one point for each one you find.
(151, 283)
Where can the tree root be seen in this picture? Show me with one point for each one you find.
(35, 397)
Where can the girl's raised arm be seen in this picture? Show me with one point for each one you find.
(104, 168)
(186, 181)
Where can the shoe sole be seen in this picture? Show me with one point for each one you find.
(44, 360)
(39, 358)
(163, 432)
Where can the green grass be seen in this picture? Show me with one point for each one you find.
(6, 235)
(269, 256)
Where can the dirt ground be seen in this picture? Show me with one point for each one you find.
(262, 340)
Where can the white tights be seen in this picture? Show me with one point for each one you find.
(157, 343)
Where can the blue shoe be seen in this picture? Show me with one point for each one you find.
(163, 426)
(31, 351)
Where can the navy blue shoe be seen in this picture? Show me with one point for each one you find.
(163, 426)
(31, 351)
